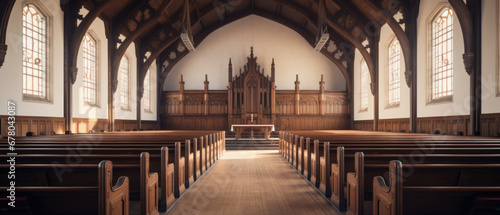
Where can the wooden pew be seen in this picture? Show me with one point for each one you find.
(337, 169)
(400, 198)
(50, 174)
(457, 169)
(111, 199)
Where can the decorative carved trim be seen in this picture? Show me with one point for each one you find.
(408, 77)
(3, 53)
(74, 74)
(469, 61)
(114, 87)
(140, 92)
(373, 86)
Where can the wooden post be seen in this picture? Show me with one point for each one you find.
(297, 95)
(230, 95)
(207, 152)
(317, 164)
(181, 95)
(375, 82)
(412, 37)
(205, 96)
(273, 94)
(321, 98)
(328, 168)
(177, 170)
(301, 144)
(196, 173)
(308, 167)
(187, 151)
(202, 157)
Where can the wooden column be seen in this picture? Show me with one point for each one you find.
(297, 95)
(5, 9)
(112, 80)
(70, 70)
(273, 93)
(181, 95)
(475, 75)
(411, 76)
(160, 102)
(375, 82)
(321, 98)
(206, 94)
(139, 84)
(229, 95)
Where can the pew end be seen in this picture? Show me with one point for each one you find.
(112, 199)
(387, 199)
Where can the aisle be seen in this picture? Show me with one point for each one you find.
(252, 182)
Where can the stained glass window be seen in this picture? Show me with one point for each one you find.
(394, 71)
(89, 69)
(124, 79)
(442, 54)
(146, 99)
(34, 52)
(365, 85)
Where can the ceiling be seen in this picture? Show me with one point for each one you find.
(156, 24)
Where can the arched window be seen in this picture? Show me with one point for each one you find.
(89, 70)
(394, 71)
(442, 54)
(146, 99)
(34, 53)
(124, 80)
(365, 85)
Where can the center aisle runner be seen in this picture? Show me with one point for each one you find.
(252, 182)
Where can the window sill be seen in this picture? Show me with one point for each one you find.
(126, 109)
(92, 105)
(148, 111)
(27, 98)
(363, 110)
(393, 105)
(441, 100)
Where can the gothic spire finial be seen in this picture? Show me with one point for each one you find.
(251, 52)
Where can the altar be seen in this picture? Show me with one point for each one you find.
(239, 128)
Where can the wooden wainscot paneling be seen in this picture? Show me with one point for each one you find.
(285, 103)
(450, 125)
(37, 125)
(83, 125)
(194, 104)
(312, 122)
(308, 104)
(217, 103)
(490, 125)
(200, 122)
(394, 125)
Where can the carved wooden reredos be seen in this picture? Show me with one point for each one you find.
(252, 95)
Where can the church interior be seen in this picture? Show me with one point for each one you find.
(250, 107)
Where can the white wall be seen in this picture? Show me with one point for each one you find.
(151, 116)
(490, 56)
(292, 54)
(80, 109)
(461, 96)
(403, 110)
(363, 115)
(129, 114)
(11, 81)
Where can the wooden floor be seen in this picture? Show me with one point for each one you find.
(252, 182)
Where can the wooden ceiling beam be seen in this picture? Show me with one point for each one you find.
(135, 33)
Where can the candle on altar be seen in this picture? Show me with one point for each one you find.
(251, 116)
